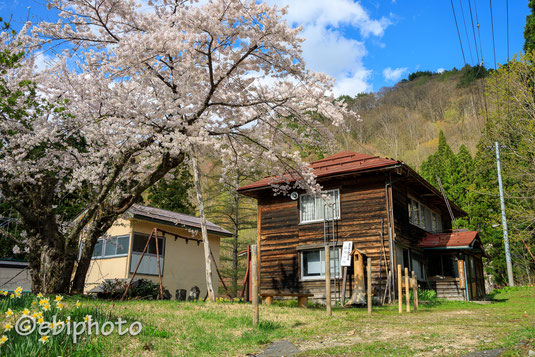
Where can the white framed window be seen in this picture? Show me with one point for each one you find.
(424, 217)
(313, 208)
(313, 264)
(116, 246)
(149, 263)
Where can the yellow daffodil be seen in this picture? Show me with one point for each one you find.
(26, 312)
(52, 325)
(8, 327)
(34, 303)
(43, 339)
(9, 312)
(39, 295)
(78, 304)
(17, 294)
(40, 320)
(3, 339)
(35, 315)
(40, 314)
(59, 305)
(87, 318)
(44, 302)
(1, 291)
(60, 323)
(59, 298)
(46, 307)
(18, 289)
(5, 293)
(12, 295)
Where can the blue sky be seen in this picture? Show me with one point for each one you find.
(369, 44)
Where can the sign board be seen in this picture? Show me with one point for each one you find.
(347, 248)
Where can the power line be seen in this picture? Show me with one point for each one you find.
(478, 33)
(466, 32)
(473, 29)
(458, 33)
(492, 26)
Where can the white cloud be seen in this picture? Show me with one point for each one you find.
(393, 75)
(43, 61)
(440, 70)
(330, 29)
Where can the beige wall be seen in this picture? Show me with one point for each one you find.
(183, 263)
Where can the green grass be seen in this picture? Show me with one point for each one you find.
(174, 328)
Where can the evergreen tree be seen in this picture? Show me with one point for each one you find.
(529, 29)
(462, 176)
(173, 195)
(443, 164)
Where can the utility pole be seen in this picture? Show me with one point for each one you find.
(504, 220)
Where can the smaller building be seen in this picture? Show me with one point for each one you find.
(180, 248)
(15, 273)
(455, 264)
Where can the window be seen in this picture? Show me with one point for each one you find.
(313, 264)
(402, 257)
(115, 246)
(444, 265)
(313, 208)
(422, 216)
(149, 264)
(140, 240)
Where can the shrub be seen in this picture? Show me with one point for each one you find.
(141, 288)
(144, 289)
(427, 295)
(112, 289)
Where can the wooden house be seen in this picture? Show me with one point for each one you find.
(180, 248)
(389, 212)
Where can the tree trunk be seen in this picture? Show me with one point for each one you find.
(236, 222)
(51, 262)
(206, 243)
(78, 282)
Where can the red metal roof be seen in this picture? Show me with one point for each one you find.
(343, 162)
(448, 240)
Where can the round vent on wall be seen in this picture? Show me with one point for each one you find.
(294, 195)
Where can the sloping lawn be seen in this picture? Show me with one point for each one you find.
(223, 328)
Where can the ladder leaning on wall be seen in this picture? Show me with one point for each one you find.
(329, 237)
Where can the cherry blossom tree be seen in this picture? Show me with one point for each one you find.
(137, 89)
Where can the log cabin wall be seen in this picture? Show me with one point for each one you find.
(362, 211)
(408, 234)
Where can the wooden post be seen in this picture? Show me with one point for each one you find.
(158, 259)
(415, 290)
(328, 280)
(400, 290)
(254, 279)
(369, 269)
(408, 296)
(344, 280)
(268, 300)
(462, 282)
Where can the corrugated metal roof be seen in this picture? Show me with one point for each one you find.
(448, 240)
(176, 219)
(343, 162)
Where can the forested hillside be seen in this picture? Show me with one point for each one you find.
(404, 121)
